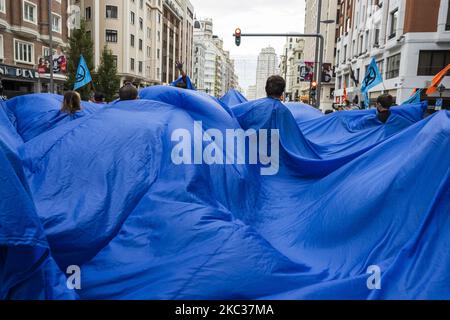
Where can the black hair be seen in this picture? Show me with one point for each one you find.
(99, 97)
(386, 101)
(128, 92)
(275, 86)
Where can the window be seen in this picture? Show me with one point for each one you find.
(23, 52)
(393, 67)
(376, 41)
(46, 52)
(111, 35)
(29, 12)
(149, 33)
(394, 21)
(140, 44)
(132, 40)
(56, 23)
(380, 66)
(88, 13)
(115, 59)
(2, 54)
(140, 66)
(141, 4)
(148, 52)
(447, 25)
(111, 12)
(141, 23)
(432, 62)
(132, 64)
(2, 7)
(132, 17)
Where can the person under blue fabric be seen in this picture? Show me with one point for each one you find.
(71, 102)
(275, 87)
(183, 81)
(384, 104)
(98, 98)
(128, 92)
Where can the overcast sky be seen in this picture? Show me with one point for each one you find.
(274, 16)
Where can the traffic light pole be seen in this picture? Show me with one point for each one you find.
(299, 35)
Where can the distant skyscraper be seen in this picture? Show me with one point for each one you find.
(267, 66)
(251, 93)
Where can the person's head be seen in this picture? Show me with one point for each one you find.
(384, 104)
(128, 92)
(275, 87)
(71, 102)
(328, 111)
(99, 97)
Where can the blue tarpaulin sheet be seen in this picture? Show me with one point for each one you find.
(233, 98)
(102, 192)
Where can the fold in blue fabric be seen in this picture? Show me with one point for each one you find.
(351, 193)
(233, 98)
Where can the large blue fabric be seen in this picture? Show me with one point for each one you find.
(233, 97)
(27, 270)
(35, 114)
(351, 193)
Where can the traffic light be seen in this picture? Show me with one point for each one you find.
(237, 35)
(314, 85)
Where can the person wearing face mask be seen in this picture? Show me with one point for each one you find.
(384, 104)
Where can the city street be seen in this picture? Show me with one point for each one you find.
(224, 159)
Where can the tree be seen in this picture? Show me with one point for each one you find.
(80, 43)
(107, 81)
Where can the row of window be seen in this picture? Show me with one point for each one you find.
(431, 62)
(112, 12)
(393, 71)
(24, 51)
(30, 14)
(112, 37)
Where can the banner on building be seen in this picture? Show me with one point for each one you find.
(58, 61)
(306, 71)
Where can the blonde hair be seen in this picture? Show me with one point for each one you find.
(71, 102)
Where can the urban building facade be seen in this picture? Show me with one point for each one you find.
(24, 45)
(177, 38)
(293, 68)
(133, 31)
(251, 92)
(328, 31)
(409, 49)
(218, 75)
(267, 66)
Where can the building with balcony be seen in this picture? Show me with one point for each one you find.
(219, 73)
(408, 48)
(133, 31)
(24, 42)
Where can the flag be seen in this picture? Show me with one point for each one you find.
(415, 97)
(373, 78)
(83, 76)
(353, 76)
(437, 80)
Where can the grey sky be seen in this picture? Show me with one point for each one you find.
(251, 16)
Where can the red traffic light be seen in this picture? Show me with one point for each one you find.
(237, 34)
(314, 84)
